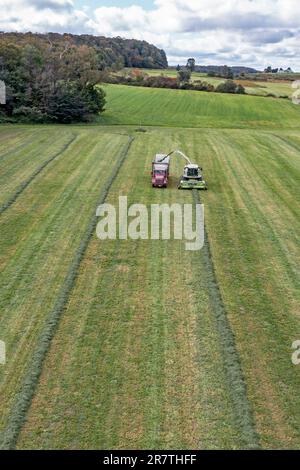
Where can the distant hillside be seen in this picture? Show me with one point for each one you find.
(113, 53)
(237, 70)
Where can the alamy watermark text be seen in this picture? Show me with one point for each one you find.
(159, 222)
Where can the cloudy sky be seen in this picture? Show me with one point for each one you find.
(247, 32)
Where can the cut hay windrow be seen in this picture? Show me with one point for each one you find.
(30, 381)
(24, 143)
(242, 409)
(29, 180)
(153, 346)
(287, 142)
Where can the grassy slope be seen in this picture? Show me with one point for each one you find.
(45, 222)
(181, 108)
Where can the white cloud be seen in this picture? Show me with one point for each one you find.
(252, 32)
(42, 16)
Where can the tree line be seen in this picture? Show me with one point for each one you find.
(183, 81)
(112, 53)
(54, 77)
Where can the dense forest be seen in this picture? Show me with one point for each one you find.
(55, 78)
(114, 53)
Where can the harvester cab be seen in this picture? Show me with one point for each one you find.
(192, 171)
(192, 177)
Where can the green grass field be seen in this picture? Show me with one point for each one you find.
(142, 344)
(182, 108)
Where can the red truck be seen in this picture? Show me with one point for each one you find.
(160, 171)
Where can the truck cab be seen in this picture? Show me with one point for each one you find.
(159, 176)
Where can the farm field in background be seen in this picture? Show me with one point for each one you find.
(183, 108)
(39, 235)
(149, 351)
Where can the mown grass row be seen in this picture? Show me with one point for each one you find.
(24, 397)
(146, 369)
(252, 214)
(182, 108)
(13, 139)
(149, 348)
(136, 360)
(235, 378)
(24, 184)
(40, 234)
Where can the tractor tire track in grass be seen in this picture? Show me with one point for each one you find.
(24, 398)
(29, 180)
(238, 390)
